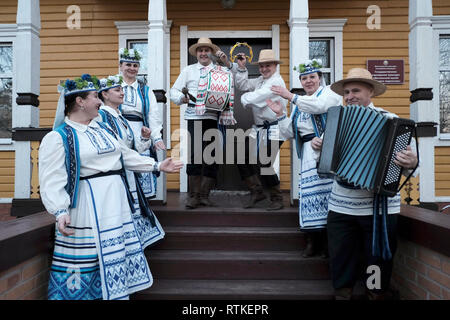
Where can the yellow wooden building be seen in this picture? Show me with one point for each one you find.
(44, 41)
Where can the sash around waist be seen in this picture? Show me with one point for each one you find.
(307, 137)
(133, 117)
(103, 174)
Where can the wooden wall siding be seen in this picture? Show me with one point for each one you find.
(67, 53)
(8, 13)
(442, 171)
(6, 174)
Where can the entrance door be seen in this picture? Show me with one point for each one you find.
(228, 175)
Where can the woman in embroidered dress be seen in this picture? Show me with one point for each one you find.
(140, 108)
(97, 252)
(306, 122)
(111, 93)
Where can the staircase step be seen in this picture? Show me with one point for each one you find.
(237, 289)
(229, 265)
(231, 238)
(220, 216)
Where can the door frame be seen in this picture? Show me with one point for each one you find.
(185, 35)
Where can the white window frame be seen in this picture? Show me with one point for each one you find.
(8, 35)
(441, 26)
(185, 34)
(138, 31)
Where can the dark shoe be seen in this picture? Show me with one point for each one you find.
(388, 295)
(256, 190)
(206, 185)
(276, 198)
(343, 294)
(310, 245)
(324, 244)
(193, 199)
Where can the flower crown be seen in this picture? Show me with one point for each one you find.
(310, 66)
(110, 82)
(84, 83)
(129, 55)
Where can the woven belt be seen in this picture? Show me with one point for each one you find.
(103, 174)
(132, 117)
(307, 137)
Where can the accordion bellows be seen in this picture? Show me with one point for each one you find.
(359, 147)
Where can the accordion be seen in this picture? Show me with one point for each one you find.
(359, 146)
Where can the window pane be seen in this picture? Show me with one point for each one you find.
(5, 107)
(327, 77)
(142, 48)
(444, 100)
(320, 49)
(5, 59)
(444, 52)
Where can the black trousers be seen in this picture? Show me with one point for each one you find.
(264, 160)
(197, 165)
(350, 248)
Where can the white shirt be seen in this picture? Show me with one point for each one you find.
(99, 152)
(132, 104)
(140, 143)
(189, 78)
(258, 91)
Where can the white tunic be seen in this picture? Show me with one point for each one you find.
(132, 104)
(98, 153)
(189, 78)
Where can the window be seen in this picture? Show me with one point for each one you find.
(141, 46)
(322, 49)
(444, 83)
(6, 86)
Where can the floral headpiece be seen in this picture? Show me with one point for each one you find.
(110, 82)
(310, 66)
(129, 55)
(84, 83)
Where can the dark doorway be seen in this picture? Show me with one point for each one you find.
(228, 175)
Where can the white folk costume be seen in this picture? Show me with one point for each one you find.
(257, 91)
(141, 109)
(307, 121)
(147, 225)
(81, 175)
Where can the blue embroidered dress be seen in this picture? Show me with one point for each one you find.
(104, 259)
(306, 121)
(148, 227)
(141, 109)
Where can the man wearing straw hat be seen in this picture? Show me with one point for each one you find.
(257, 92)
(202, 176)
(350, 216)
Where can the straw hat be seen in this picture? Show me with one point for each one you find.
(359, 75)
(202, 42)
(267, 55)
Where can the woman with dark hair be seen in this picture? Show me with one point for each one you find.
(148, 228)
(97, 252)
(306, 122)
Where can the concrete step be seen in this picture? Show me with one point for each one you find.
(230, 265)
(231, 238)
(163, 289)
(220, 216)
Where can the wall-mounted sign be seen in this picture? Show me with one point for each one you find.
(387, 71)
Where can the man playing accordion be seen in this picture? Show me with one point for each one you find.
(350, 216)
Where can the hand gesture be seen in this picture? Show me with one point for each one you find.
(223, 57)
(282, 91)
(145, 132)
(406, 158)
(241, 60)
(171, 166)
(184, 100)
(316, 144)
(160, 145)
(276, 107)
(62, 222)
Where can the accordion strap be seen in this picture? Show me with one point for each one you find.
(415, 168)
